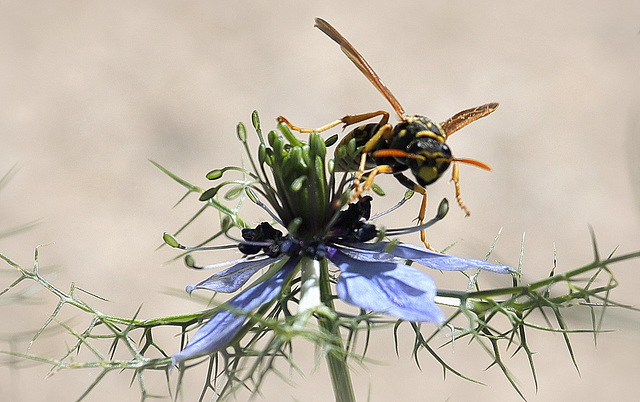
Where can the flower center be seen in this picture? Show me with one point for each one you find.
(349, 225)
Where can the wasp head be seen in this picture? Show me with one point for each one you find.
(433, 159)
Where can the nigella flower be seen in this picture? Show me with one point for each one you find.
(312, 205)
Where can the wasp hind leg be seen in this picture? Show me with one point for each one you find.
(346, 120)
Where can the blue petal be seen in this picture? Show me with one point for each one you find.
(387, 287)
(223, 326)
(232, 278)
(428, 258)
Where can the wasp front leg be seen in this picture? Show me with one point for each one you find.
(411, 185)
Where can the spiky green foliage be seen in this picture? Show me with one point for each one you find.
(497, 320)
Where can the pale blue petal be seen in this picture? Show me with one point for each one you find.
(387, 287)
(428, 258)
(223, 326)
(232, 278)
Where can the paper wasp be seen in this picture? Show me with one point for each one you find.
(416, 143)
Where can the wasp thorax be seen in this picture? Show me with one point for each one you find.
(434, 159)
(413, 127)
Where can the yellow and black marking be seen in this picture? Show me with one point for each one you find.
(416, 143)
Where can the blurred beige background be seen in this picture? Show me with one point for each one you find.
(90, 90)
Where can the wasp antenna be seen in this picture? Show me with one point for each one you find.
(472, 162)
(398, 153)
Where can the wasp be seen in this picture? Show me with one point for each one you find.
(416, 143)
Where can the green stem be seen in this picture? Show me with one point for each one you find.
(337, 356)
(532, 287)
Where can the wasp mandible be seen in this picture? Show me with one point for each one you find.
(416, 143)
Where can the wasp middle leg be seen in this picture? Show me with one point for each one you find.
(455, 178)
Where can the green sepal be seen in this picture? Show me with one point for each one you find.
(234, 193)
(443, 208)
(331, 140)
(286, 131)
(169, 240)
(214, 174)
(255, 121)
(262, 154)
(271, 137)
(242, 132)
(210, 193)
(317, 145)
(378, 190)
(189, 261)
(296, 185)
